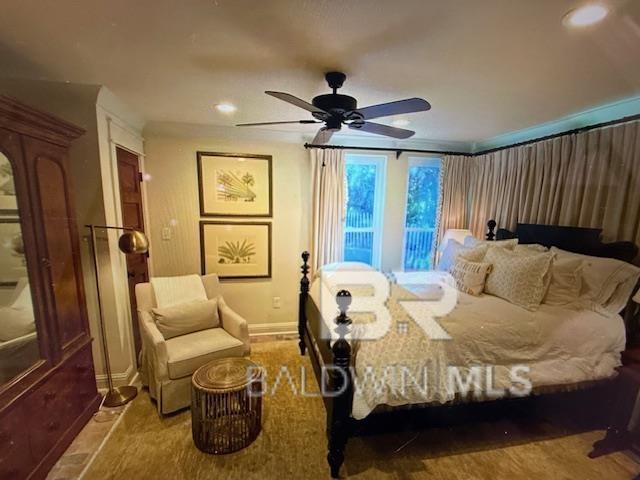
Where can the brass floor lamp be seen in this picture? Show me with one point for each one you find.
(131, 241)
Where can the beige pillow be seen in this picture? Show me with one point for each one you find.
(566, 282)
(510, 243)
(470, 276)
(519, 279)
(530, 247)
(186, 318)
(454, 249)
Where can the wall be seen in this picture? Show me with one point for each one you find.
(173, 203)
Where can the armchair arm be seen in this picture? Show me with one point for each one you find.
(154, 343)
(234, 324)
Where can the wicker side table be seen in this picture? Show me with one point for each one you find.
(226, 405)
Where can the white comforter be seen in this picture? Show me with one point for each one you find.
(558, 346)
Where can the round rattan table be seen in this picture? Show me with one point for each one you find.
(226, 405)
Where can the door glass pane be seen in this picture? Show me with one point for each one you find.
(361, 187)
(18, 337)
(422, 209)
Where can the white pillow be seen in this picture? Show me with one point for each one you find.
(453, 249)
(344, 267)
(471, 242)
(519, 279)
(566, 282)
(185, 318)
(605, 281)
(23, 300)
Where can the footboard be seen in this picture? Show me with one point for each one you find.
(331, 364)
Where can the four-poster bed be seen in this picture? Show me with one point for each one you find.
(338, 357)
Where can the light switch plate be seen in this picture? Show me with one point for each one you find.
(277, 302)
(166, 233)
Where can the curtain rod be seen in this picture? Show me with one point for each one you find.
(586, 128)
(398, 151)
(383, 149)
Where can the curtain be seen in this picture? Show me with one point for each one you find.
(589, 179)
(327, 204)
(455, 181)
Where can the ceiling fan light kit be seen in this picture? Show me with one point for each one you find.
(335, 110)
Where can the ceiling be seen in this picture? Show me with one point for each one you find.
(486, 67)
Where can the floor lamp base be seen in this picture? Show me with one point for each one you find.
(120, 396)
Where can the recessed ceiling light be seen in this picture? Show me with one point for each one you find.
(585, 15)
(226, 108)
(400, 122)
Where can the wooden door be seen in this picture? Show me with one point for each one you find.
(132, 217)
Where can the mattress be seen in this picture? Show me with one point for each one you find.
(494, 347)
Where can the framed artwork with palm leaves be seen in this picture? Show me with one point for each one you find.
(234, 184)
(236, 249)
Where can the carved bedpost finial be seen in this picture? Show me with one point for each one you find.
(304, 292)
(492, 226)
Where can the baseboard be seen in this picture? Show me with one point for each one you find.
(261, 329)
(119, 379)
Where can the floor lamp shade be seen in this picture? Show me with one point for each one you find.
(130, 242)
(133, 241)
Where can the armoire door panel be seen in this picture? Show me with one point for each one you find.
(58, 225)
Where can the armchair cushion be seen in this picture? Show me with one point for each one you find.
(188, 352)
(185, 318)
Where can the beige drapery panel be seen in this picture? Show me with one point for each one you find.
(589, 179)
(454, 193)
(327, 205)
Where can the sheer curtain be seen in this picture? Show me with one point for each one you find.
(589, 179)
(327, 204)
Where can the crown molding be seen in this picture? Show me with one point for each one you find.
(604, 113)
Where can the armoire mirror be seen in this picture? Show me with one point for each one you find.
(18, 337)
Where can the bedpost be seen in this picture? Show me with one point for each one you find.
(304, 293)
(341, 388)
(491, 236)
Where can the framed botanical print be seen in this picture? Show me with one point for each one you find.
(236, 249)
(234, 185)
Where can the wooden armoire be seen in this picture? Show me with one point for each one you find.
(53, 393)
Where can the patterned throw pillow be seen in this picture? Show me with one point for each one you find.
(470, 276)
(454, 249)
(519, 279)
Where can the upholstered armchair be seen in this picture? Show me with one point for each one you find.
(166, 366)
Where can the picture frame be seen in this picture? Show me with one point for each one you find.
(235, 250)
(234, 184)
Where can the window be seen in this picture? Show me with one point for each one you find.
(365, 196)
(423, 190)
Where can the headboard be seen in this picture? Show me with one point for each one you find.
(586, 241)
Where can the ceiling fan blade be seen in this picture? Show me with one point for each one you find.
(323, 136)
(380, 129)
(295, 101)
(410, 105)
(304, 122)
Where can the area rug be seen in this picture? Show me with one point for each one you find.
(292, 443)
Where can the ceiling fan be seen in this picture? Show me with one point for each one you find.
(335, 110)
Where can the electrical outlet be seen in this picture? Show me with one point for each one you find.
(166, 233)
(277, 302)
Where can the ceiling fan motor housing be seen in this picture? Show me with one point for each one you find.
(335, 102)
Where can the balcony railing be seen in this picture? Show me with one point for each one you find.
(418, 248)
